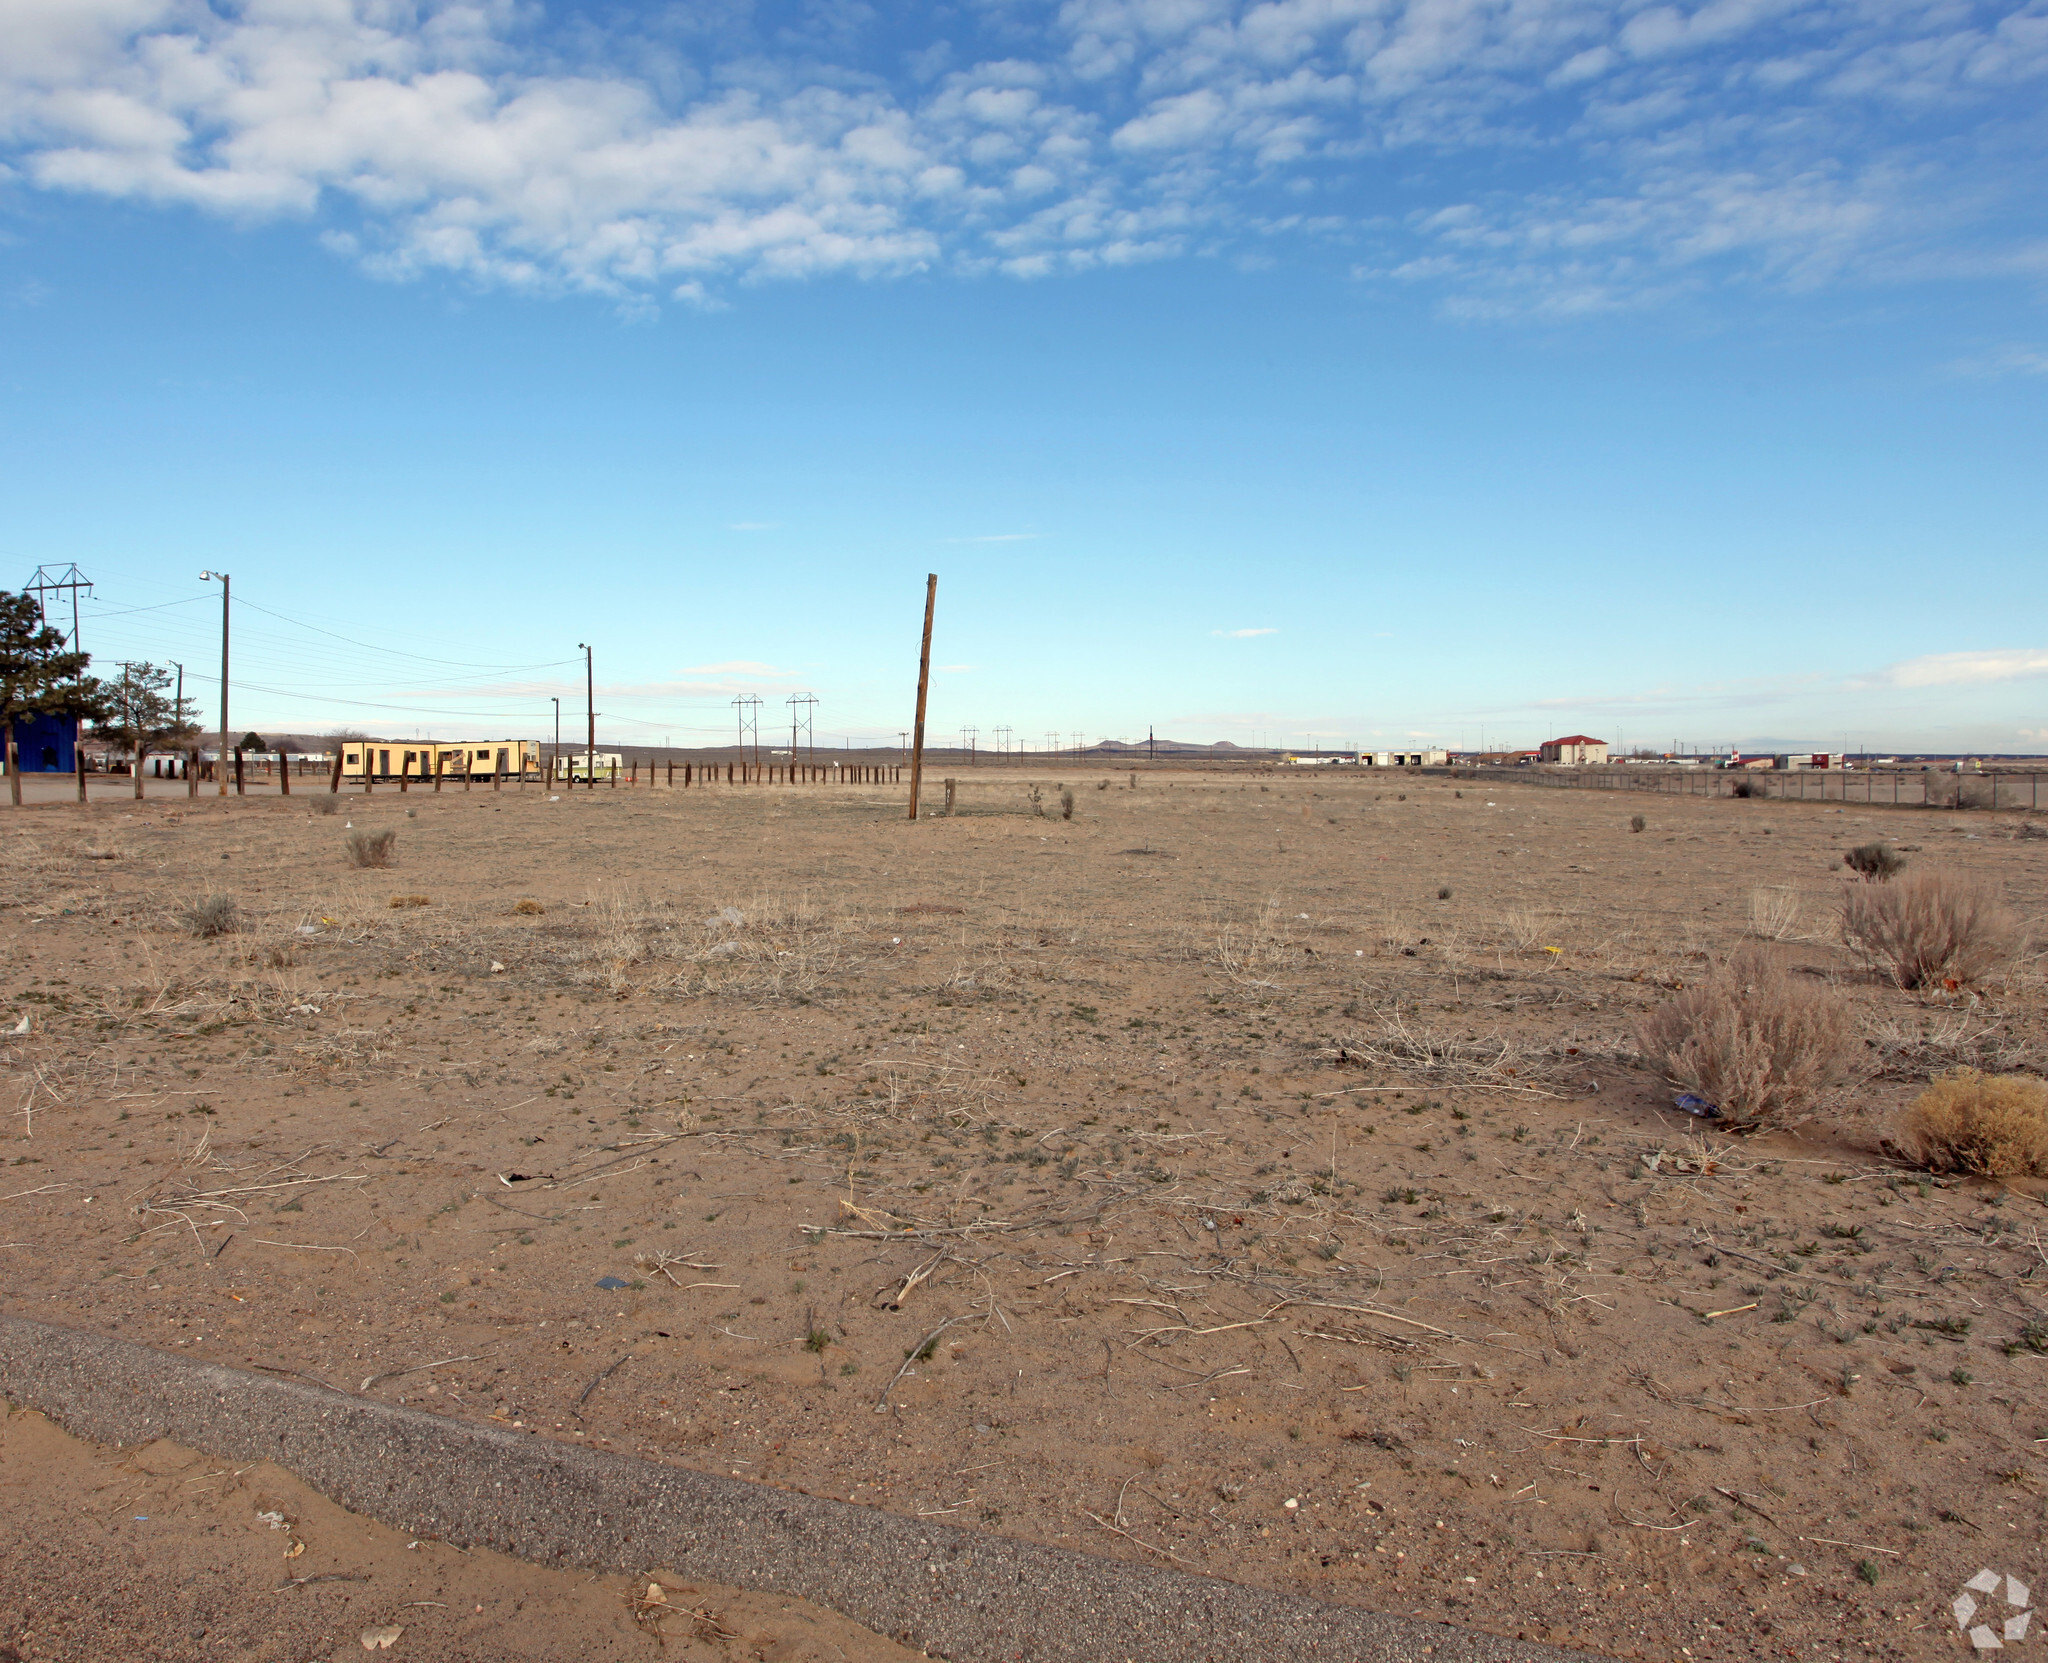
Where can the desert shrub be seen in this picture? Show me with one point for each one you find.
(1443, 892)
(1874, 863)
(1930, 928)
(1637, 823)
(1759, 1044)
(1745, 788)
(213, 915)
(326, 805)
(398, 901)
(1066, 804)
(529, 909)
(1992, 1125)
(370, 848)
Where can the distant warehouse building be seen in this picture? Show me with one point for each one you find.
(1404, 759)
(1575, 750)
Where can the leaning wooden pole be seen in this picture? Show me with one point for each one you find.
(924, 679)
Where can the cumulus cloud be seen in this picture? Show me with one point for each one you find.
(1791, 141)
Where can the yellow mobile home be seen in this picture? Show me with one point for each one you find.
(482, 759)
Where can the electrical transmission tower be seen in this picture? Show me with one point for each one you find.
(802, 706)
(748, 709)
(1052, 744)
(968, 735)
(1003, 732)
(46, 583)
(1077, 738)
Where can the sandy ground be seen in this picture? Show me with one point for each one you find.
(163, 1553)
(1188, 1180)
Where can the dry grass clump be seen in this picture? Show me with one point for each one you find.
(370, 848)
(1990, 1125)
(398, 901)
(213, 915)
(326, 805)
(529, 909)
(1774, 913)
(1754, 1041)
(1393, 1043)
(1931, 928)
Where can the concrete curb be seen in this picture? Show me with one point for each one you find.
(956, 1593)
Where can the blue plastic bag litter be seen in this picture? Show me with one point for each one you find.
(1695, 1105)
(610, 1282)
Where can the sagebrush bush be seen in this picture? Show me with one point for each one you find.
(213, 915)
(1991, 1125)
(1758, 1043)
(1637, 823)
(1066, 804)
(370, 848)
(1874, 862)
(529, 909)
(326, 805)
(1930, 928)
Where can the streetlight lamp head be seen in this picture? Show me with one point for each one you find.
(203, 576)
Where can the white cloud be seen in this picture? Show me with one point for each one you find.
(2006, 360)
(1793, 141)
(1959, 669)
(1245, 634)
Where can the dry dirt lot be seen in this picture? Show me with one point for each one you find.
(1190, 1180)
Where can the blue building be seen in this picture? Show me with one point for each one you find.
(48, 744)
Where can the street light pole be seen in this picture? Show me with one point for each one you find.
(590, 709)
(222, 579)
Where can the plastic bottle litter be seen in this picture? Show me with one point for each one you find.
(1696, 1105)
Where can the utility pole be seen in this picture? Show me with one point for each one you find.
(556, 755)
(1052, 745)
(43, 585)
(1003, 732)
(222, 768)
(924, 680)
(803, 714)
(1151, 745)
(747, 708)
(590, 712)
(968, 735)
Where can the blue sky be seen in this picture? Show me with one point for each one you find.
(1321, 370)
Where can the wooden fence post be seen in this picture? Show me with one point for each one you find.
(284, 774)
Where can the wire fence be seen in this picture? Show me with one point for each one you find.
(1880, 788)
